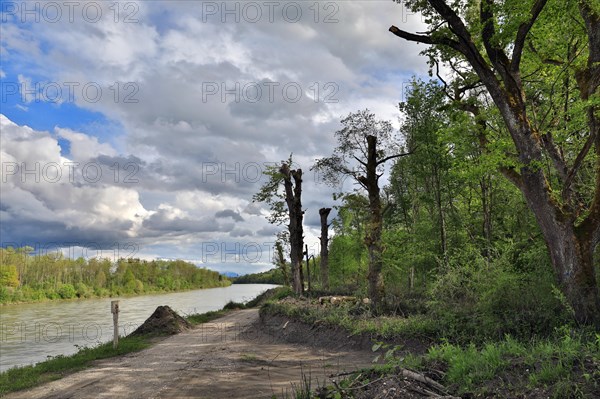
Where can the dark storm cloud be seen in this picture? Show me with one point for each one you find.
(51, 235)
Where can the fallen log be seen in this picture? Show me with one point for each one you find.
(418, 377)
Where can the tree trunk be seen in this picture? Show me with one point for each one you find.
(281, 263)
(373, 236)
(307, 266)
(573, 260)
(441, 218)
(486, 204)
(293, 193)
(324, 213)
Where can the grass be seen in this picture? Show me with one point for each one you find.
(567, 364)
(201, 318)
(415, 326)
(248, 357)
(272, 294)
(57, 367)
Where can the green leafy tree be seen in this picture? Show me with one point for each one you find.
(9, 276)
(365, 144)
(496, 50)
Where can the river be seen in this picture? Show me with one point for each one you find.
(29, 333)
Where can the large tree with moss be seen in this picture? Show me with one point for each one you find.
(538, 62)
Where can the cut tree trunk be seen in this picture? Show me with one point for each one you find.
(324, 213)
(373, 236)
(292, 180)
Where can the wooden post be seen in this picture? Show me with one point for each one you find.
(114, 308)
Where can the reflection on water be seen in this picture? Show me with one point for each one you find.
(30, 333)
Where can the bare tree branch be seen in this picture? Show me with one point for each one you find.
(383, 160)
(425, 39)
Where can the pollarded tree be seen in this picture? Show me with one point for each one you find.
(539, 63)
(286, 205)
(324, 214)
(365, 143)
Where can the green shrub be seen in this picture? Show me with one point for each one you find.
(482, 303)
(51, 293)
(67, 291)
(101, 292)
(231, 305)
(139, 287)
(6, 294)
(83, 291)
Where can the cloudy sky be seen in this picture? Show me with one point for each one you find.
(142, 128)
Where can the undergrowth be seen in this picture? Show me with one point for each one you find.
(564, 363)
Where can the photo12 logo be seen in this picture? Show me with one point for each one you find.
(53, 12)
(244, 252)
(61, 92)
(54, 172)
(237, 252)
(270, 11)
(52, 332)
(251, 172)
(254, 92)
(112, 251)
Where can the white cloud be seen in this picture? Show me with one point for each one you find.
(84, 147)
(175, 133)
(39, 185)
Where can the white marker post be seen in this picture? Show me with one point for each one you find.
(114, 308)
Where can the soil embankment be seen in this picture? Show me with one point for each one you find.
(232, 357)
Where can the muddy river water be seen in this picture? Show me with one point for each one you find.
(29, 333)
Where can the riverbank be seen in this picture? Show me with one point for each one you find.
(28, 276)
(327, 350)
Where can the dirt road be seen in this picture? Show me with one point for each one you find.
(227, 358)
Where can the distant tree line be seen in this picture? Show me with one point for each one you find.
(26, 277)
(273, 276)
